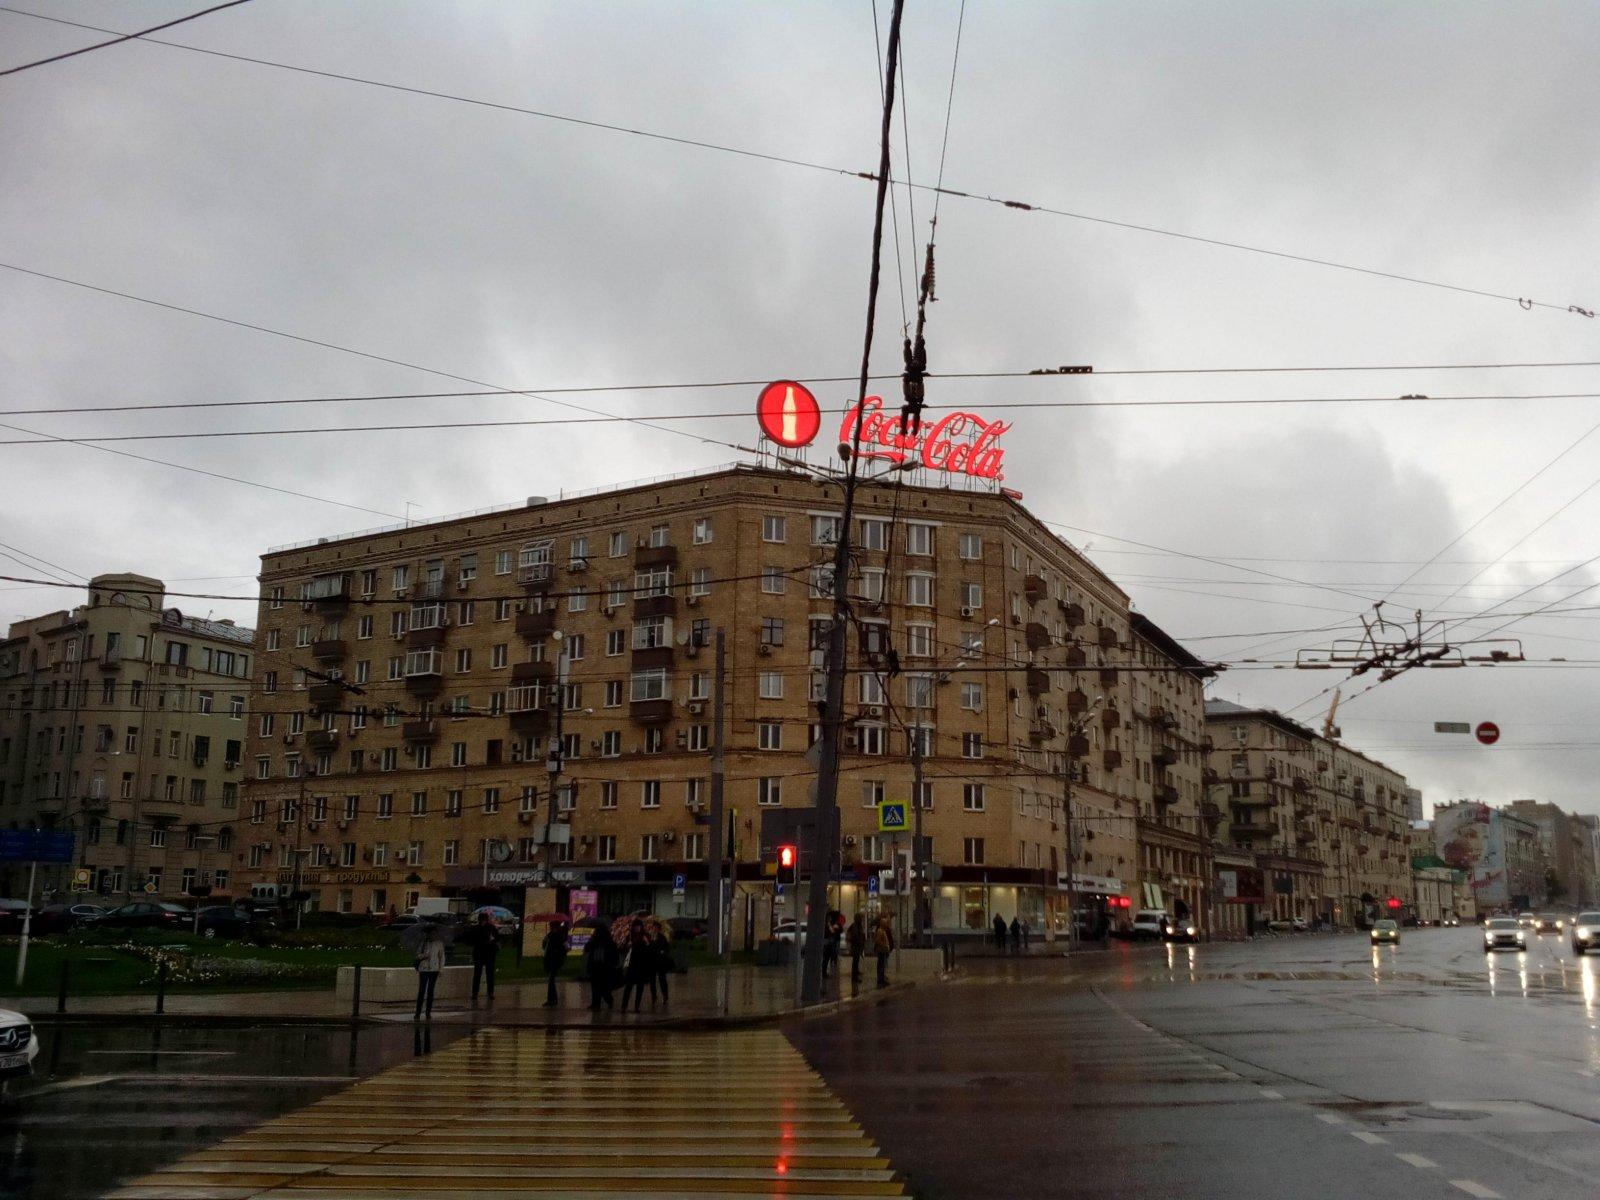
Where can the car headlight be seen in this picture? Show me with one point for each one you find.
(1584, 932)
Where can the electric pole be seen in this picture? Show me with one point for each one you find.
(553, 759)
(917, 866)
(716, 912)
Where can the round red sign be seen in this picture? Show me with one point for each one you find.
(789, 413)
(1488, 733)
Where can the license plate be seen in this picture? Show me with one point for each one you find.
(9, 1062)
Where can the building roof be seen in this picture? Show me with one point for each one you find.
(1144, 627)
(1227, 710)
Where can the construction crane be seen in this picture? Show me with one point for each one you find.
(1329, 729)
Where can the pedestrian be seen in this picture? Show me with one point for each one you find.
(882, 944)
(484, 939)
(1027, 935)
(999, 933)
(638, 967)
(555, 956)
(661, 948)
(856, 940)
(1016, 936)
(831, 932)
(600, 962)
(429, 962)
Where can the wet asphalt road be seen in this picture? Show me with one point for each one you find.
(109, 1101)
(1308, 1066)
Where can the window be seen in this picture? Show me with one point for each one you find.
(971, 595)
(502, 562)
(650, 794)
(972, 697)
(919, 691)
(700, 581)
(872, 584)
(694, 847)
(578, 553)
(699, 738)
(874, 848)
(401, 577)
(499, 655)
(872, 793)
(463, 660)
(618, 547)
(650, 685)
(616, 593)
(452, 802)
(700, 632)
(919, 589)
(419, 804)
(772, 631)
(267, 722)
(572, 647)
(925, 798)
(824, 531)
(608, 793)
(660, 535)
(528, 800)
(616, 642)
(821, 582)
(276, 596)
(397, 622)
(972, 797)
(385, 805)
(648, 843)
(369, 583)
(774, 580)
(874, 533)
(414, 854)
(452, 852)
(606, 848)
(872, 690)
(694, 791)
(699, 686)
(769, 735)
(465, 610)
(613, 698)
(578, 601)
(650, 633)
(269, 682)
(702, 531)
(611, 743)
(972, 745)
(774, 529)
(352, 807)
(919, 537)
(770, 685)
(273, 639)
(970, 546)
(919, 641)
(873, 739)
(654, 581)
(972, 851)
(655, 740)
(769, 791)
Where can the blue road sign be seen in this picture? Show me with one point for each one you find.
(679, 881)
(779, 889)
(872, 885)
(36, 845)
(892, 816)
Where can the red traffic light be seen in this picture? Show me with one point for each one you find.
(786, 857)
(1393, 901)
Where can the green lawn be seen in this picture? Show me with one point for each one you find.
(126, 961)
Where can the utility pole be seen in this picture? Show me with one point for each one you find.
(827, 803)
(1072, 850)
(716, 911)
(917, 865)
(299, 824)
(553, 759)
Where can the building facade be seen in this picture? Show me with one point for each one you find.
(124, 720)
(412, 684)
(1567, 844)
(1499, 852)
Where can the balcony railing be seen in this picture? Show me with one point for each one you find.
(533, 625)
(535, 576)
(1037, 635)
(1033, 589)
(1038, 681)
(651, 712)
(330, 650)
(420, 731)
(655, 606)
(655, 556)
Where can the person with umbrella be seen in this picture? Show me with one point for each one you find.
(555, 955)
(639, 967)
(427, 941)
(600, 960)
(484, 939)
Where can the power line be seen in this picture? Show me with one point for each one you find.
(126, 37)
(664, 420)
(814, 379)
(938, 189)
(54, 567)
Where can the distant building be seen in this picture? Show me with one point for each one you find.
(124, 721)
(1413, 804)
(1568, 847)
(1499, 851)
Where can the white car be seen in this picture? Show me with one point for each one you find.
(1150, 923)
(1506, 932)
(19, 1045)
(1585, 932)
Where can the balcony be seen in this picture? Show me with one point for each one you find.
(1111, 759)
(1162, 716)
(533, 672)
(1253, 801)
(1166, 794)
(325, 695)
(1165, 756)
(651, 712)
(1033, 589)
(330, 650)
(1301, 784)
(535, 577)
(1077, 746)
(655, 606)
(537, 624)
(430, 589)
(1077, 702)
(1106, 637)
(426, 730)
(528, 722)
(652, 658)
(322, 739)
(1244, 831)
(1111, 718)
(1038, 636)
(111, 660)
(1071, 613)
(655, 556)
(424, 672)
(1041, 732)
(1075, 656)
(1038, 681)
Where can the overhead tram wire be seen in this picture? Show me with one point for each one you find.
(120, 38)
(163, 406)
(664, 421)
(13, 551)
(846, 172)
(894, 206)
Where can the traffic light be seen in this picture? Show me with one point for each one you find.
(788, 857)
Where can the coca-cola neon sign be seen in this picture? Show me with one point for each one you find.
(961, 443)
(958, 443)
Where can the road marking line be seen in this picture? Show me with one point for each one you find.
(1331, 1118)
(1475, 1189)
(1269, 1094)
(1370, 1139)
(1418, 1161)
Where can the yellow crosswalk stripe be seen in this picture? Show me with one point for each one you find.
(508, 1114)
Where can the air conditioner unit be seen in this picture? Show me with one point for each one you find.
(288, 739)
(966, 612)
(691, 651)
(610, 612)
(642, 543)
(401, 592)
(851, 741)
(874, 710)
(849, 839)
(764, 650)
(669, 836)
(696, 707)
(692, 601)
(594, 745)
(524, 817)
(578, 564)
(410, 750)
(344, 824)
(461, 585)
(313, 826)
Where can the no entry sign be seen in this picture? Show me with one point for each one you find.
(1488, 733)
(789, 413)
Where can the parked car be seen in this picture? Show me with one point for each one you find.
(1386, 932)
(1585, 932)
(19, 1045)
(688, 927)
(61, 917)
(11, 914)
(784, 931)
(1149, 923)
(225, 920)
(1504, 932)
(1299, 924)
(145, 914)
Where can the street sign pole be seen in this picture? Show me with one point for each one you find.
(27, 922)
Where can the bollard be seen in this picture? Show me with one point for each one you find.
(61, 994)
(355, 995)
(161, 987)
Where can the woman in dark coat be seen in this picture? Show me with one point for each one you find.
(600, 958)
(639, 968)
(661, 945)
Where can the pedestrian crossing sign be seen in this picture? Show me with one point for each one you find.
(892, 816)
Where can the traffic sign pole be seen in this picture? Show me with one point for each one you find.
(27, 922)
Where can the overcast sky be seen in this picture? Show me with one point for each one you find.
(1447, 142)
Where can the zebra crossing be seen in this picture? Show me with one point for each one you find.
(511, 1113)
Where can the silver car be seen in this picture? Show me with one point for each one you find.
(19, 1045)
(1504, 933)
(1585, 932)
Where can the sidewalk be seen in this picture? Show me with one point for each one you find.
(705, 998)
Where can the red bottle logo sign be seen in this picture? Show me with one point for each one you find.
(789, 413)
